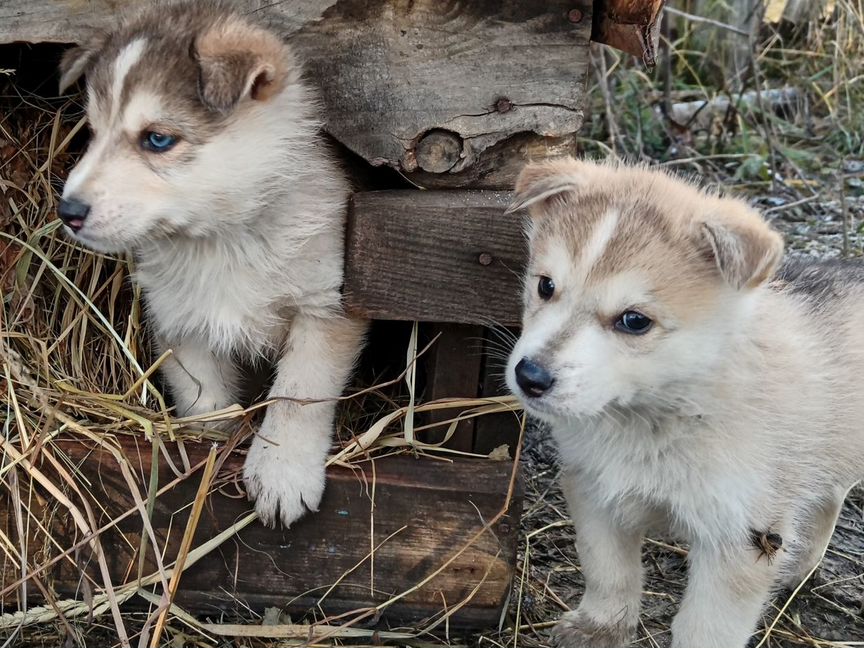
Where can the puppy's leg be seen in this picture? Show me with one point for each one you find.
(200, 381)
(726, 591)
(816, 534)
(284, 469)
(610, 556)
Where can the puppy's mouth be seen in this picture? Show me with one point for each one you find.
(560, 405)
(534, 405)
(73, 233)
(80, 234)
(542, 407)
(85, 237)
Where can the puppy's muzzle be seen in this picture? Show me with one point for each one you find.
(73, 213)
(533, 379)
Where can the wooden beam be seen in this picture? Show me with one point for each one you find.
(441, 256)
(424, 512)
(495, 430)
(392, 74)
(453, 370)
(632, 26)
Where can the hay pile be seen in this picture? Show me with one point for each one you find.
(75, 362)
(75, 366)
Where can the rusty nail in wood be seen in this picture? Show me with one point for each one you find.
(575, 15)
(485, 258)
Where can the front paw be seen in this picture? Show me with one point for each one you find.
(576, 630)
(194, 405)
(283, 484)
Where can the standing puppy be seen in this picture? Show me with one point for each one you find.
(205, 163)
(689, 389)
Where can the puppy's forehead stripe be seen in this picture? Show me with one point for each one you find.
(644, 238)
(597, 241)
(128, 57)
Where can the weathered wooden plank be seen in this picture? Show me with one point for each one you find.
(430, 508)
(442, 256)
(500, 163)
(632, 26)
(393, 73)
(495, 430)
(480, 71)
(453, 368)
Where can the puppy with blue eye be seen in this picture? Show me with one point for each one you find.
(691, 387)
(206, 164)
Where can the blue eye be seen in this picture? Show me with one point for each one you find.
(157, 142)
(633, 323)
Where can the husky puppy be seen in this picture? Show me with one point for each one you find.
(689, 388)
(205, 162)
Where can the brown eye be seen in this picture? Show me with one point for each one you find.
(546, 288)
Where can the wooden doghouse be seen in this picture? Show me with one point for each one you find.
(455, 96)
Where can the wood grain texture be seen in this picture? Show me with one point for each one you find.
(431, 508)
(400, 69)
(390, 71)
(453, 367)
(442, 256)
(495, 430)
(632, 26)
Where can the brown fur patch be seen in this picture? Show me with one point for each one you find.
(660, 215)
(239, 59)
(76, 61)
(201, 58)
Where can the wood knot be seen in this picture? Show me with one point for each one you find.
(503, 105)
(575, 15)
(438, 151)
(484, 259)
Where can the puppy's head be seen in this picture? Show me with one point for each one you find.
(188, 105)
(635, 282)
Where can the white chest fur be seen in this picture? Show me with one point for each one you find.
(638, 469)
(228, 295)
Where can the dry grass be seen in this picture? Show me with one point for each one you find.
(753, 144)
(76, 366)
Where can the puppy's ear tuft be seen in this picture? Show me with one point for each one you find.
(77, 61)
(540, 182)
(240, 61)
(745, 248)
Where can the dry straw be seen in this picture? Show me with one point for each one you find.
(76, 365)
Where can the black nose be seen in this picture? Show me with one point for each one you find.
(72, 213)
(532, 378)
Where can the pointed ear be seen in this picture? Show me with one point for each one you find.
(746, 249)
(540, 182)
(239, 61)
(77, 61)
